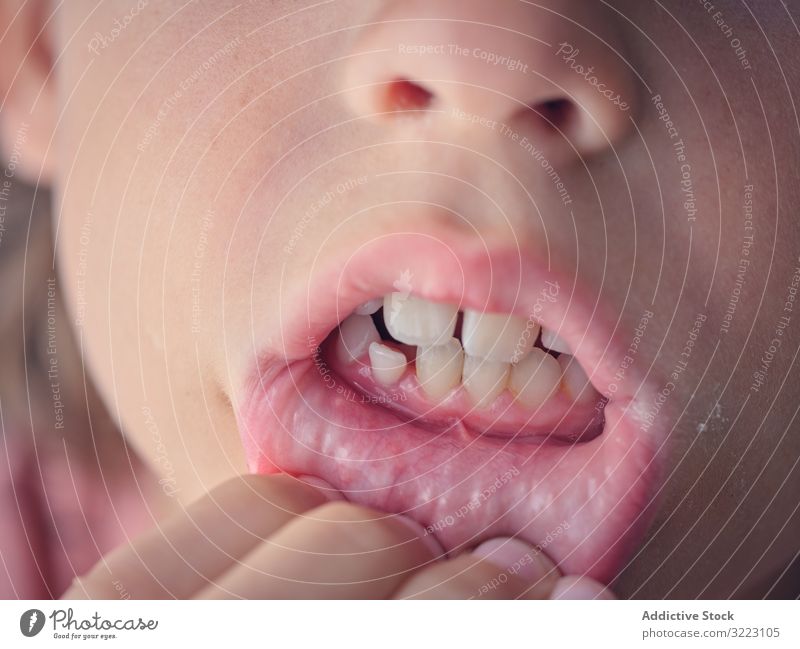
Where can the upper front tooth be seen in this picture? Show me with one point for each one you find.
(483, 379)
(498, 337)
(575, 380)
(368, 308)
(415, 321)
(388, 365)
(551, 341)
(439, 368)
(356, 334)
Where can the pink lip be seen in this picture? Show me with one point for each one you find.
(586, 504)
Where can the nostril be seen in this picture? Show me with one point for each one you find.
(555, 113)
(403, 95)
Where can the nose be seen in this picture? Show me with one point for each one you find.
(556, 67)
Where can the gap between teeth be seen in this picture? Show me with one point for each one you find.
(497, 352)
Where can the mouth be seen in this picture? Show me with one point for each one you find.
(472, 389)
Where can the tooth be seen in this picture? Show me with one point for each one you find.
(415, 321)
(356, 334)
(483, 379)
(497, 336)
(388, 365)
(576, 383)
(551, 341)
(368, 308)
(535, 378)
(439, 368)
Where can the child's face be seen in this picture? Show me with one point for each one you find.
(235, 181)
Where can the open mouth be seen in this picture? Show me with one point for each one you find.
(476, 392)
(470, 372)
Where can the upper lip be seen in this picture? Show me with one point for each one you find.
(478, 276)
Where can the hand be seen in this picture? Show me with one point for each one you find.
(261, 537)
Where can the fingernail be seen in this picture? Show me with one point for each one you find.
(328, 490)
(573, 587)
(430, 541)
(516, 558)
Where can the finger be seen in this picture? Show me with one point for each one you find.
(573, 587)
(501, 568)
(194, 547)
(338, 550)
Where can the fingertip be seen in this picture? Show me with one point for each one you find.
(575, 587)
(516, 557)
(327, 490)
(427, 537)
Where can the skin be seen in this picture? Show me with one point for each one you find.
(726, 523)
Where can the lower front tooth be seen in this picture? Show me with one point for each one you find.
(388, 365)
(439, 368)
(484, 380)
(535, 378)
(356, 334)
(577, 384)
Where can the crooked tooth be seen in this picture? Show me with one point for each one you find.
(368, 308)
(576, 383)
(483, 379)
(497, 336)
(439, 368)
(415, 321)
(535, 378)
(551, 341)
(388, 364)
(356, 334)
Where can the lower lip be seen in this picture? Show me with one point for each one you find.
(586, 505)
